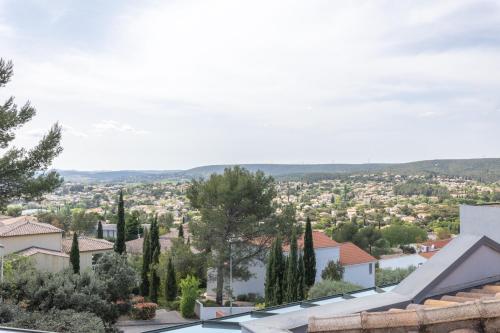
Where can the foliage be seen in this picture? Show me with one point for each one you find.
(189, 291)
(132, 225)
(146, 261)
(166, 220)
(403, 234)
(155, 278)
(23, 172)
(331, 287)
(333, 271)
(232, 207)
(83, 222)
(275, 273)
(143, 311)
(345, 232)
(186, 262)
(420, 188)
(301, 283)
(292, 270)
(118, 277)
(181, 231)
(120, 226)
(99, 230)
(74, 255)
(14, 210)
(369, 237)
(309, 256)
(385, 276)
(170, 282)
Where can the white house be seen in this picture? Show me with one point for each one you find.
(359, 266)
(401, 261)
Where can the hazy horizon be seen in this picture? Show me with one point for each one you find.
(173, 85)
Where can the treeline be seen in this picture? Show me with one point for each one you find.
(420, 188)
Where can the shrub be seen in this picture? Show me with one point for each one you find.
(333, 271)
(389, 276)
(331, 287)
(242, 298)
(123, 306)
(189, 290)
(137, 299)
(144, 311)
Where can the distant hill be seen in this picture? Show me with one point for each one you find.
(487, 169)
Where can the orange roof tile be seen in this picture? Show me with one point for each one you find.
(34, 250)
(350, 254)
(320, 240)
(25, 225)
(87, 244)
(438, 244)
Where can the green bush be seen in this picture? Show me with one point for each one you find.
(189, 290)
(143, 311)
(331, 287)
(333, 271)
(389, 276)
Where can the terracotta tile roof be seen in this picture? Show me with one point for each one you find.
(86, 244)
(438, 244)
(25, 225)
(428, 255)
(320, 240)
(34, 250)
(350, 254)
(135, 246)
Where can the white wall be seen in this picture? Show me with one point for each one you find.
(402, 261)
(45, 241)
(255, 284)
(323, 256)
(50, 263)
(86, 258)
(360, 274)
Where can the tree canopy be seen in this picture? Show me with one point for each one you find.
(24, 173)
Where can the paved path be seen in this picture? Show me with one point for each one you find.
(163, 319)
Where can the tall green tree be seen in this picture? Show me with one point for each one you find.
(181, 231)
(99, 230)
(132, 225)
(155, 277)
(233, 207)
(301, 284)
(120, 226)
(146, 261)
(275, 287)
(171, 282)
(23, 172)
(309, 256)
(270, 278)
(292, 277)
(155, 237)
(74, 255)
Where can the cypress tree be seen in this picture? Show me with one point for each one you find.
(309, 256)
(99, 231)
(181, 231)
(120, 226)
(146, 260)
(155, 237)
(155, 279)
(170, 283)
(270, 277)
(292, 272)
(301, 286)
(74, 255)
(279, 272)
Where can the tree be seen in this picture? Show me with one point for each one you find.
(23, 173)
(189, 293)
(403, 234)
(275, 288)
(83, 222)
(74, 255)
(367, 237)
(233, 207)
(171, 282)
(99, 230)
(270, 278)
(146, 261)
(345, 232)
(309, 256)
(331, 287)
(155, 237)
(292, 271)
(155, 278)
(118, 277)
(120, 226)
(301, 285)
(132, 225)
(333, 271)
(181, 231)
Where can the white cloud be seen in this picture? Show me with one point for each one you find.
(113, 126)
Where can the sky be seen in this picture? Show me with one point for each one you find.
(178, 84)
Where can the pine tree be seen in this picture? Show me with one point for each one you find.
(170, 283)
(301, 286)
(99, 230)
(74, 255)
(155, 278)
(120, 226)
(309, 256)
(146, 261)
(181, 231)
(292, 269)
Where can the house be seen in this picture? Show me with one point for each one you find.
(402, 261)
(108, 230)
(43, 242)
(90, 249)
(359, 266)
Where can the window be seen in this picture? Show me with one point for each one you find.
(370, 269)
